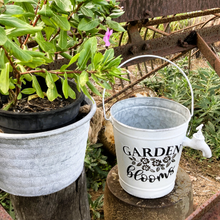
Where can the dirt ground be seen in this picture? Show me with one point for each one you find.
(205, 177)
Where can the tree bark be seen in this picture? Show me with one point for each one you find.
(70, 203)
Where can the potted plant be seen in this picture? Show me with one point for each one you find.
(32, 34)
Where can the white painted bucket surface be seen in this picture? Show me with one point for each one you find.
(148, 136)
(43, 163)
(149, 133)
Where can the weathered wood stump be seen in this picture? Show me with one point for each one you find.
(119, 205)
(70, 203)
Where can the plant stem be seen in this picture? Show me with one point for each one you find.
(17, 76)
(55, 72)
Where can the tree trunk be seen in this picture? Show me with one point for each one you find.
(70, 203)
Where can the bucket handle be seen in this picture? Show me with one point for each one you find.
(158, 57)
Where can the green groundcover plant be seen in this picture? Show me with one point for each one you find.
(34, 32)
(169, 82)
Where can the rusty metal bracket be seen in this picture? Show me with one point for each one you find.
(4, 215)
(166, 45)
(208, 54)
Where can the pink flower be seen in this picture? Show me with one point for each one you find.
(107, 37)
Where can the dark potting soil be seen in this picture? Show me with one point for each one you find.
(40, 105)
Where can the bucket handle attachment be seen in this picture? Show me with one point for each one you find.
(158, 57)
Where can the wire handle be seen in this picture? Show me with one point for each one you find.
(158, 57)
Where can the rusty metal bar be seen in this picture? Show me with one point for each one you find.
(143, 9)
(209, 210)
(141, 79)
(166, 45)
(208, 54)
(4, 215)
(158, 31)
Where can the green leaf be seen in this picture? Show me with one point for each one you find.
(46, 11)
(14, 10)
(89, 49)
(87, 12)
(61, 22)
(3, 37)
(113, 63)
(28, 77)
(67, 56)
(48, 22)
(19, 96)
(52, 90)
(28, 91)
(108, 55)
(15, 32)
(37, 61)
(37, 87)
(97, 59)
(7, 106)
(93, 88)
(4, 79)
(9, 21)
(83, 78)
(28, 8)
(73, 60)
(100, 2)
(45, 46)
(65, 86)
(106, 85)
(20, 54)
(87, 24)
(62, 40)
(116, 13)
(35, 53)
(29, 1)
(49, 31)
(64, 5)
(211, 127)
(71, 93)
(2, 59)
(115, 26)
(86, 92)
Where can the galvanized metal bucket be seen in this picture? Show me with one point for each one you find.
(149, 135)
(42, 163)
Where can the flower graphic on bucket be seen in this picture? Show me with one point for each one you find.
(153, 164)
(145, 167)
(166, 159)
(145, 160)
(156, 163)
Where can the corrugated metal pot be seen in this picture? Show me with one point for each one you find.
(42, 163)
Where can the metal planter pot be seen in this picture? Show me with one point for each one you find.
(42, 163)
(23, 123)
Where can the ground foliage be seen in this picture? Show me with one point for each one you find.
(170, 83)
(97, 168)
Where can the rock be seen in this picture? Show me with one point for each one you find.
(218, 178)
(106, 137)
(95, 126)
(192, 178)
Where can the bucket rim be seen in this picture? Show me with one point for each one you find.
(56, 131)
(151, 130)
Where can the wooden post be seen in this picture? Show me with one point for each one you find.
(119, 205)
(70, 203)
